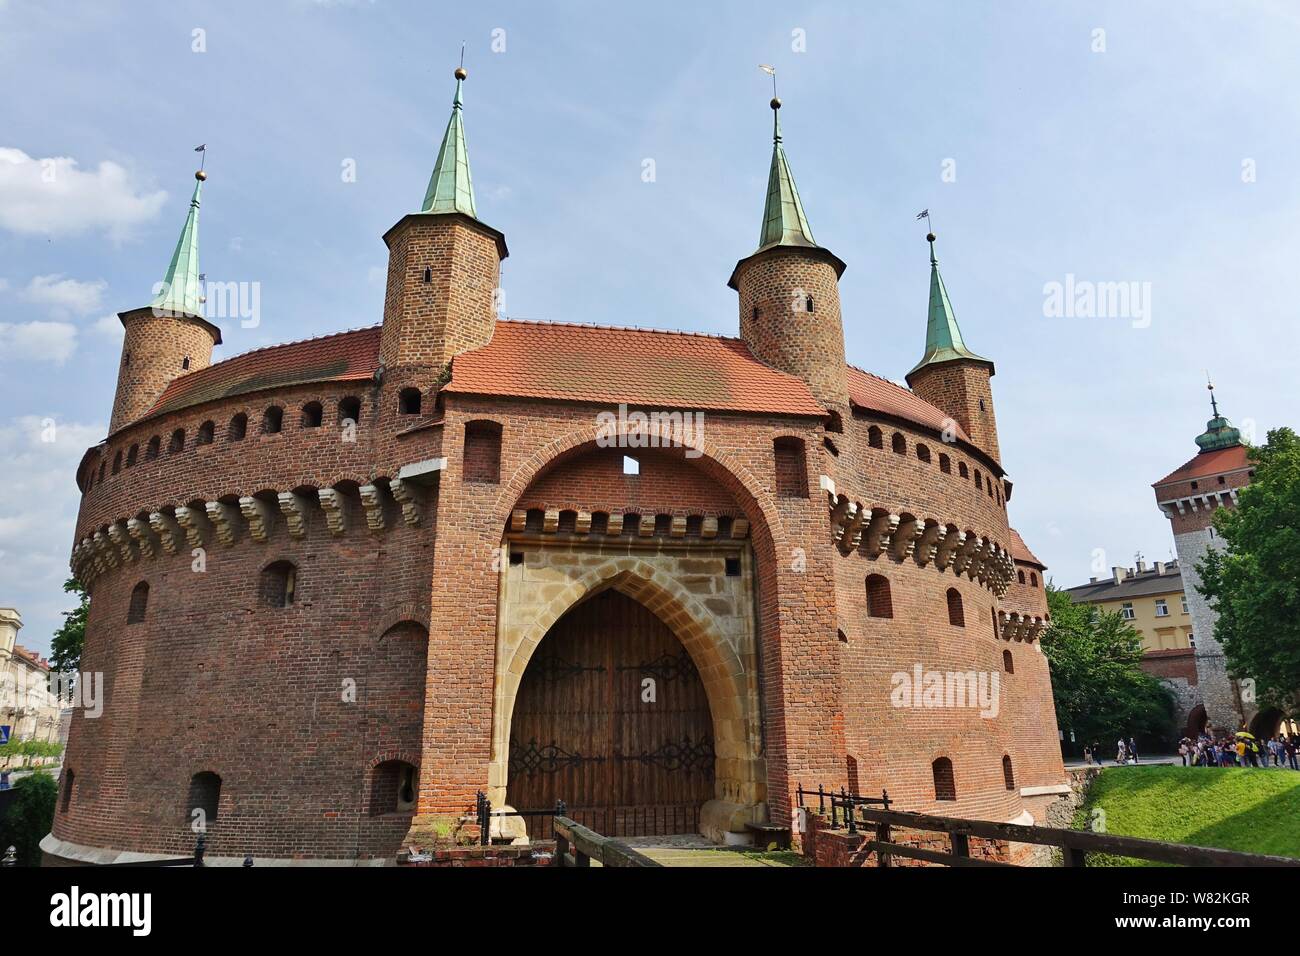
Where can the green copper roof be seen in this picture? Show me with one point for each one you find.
(450, 187)
(1219, 432)
(181, 293)
(784, 222)
(943, 341)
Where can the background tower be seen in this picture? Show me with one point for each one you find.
(1189, 497)
(169, 337)
(950, 376)
(789, 291)
(444, 267)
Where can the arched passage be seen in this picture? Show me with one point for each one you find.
(726, 672)
(612, 717)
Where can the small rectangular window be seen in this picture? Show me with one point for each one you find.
(516, 557)
(631, 466)
(1126, 611)
(733, 567)
(1162, 609)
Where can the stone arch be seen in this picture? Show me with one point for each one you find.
(412, 612)
(739, 773)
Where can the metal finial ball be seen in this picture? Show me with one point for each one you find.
(461, 73)
(929, 237)
(776, 104)
(200, 175)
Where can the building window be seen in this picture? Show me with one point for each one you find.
(408, 401)
(185, 364)
(1195, 485)
(631, 466)
(1126, 611)
(68, 779)
(791, 472)
(178, 441)
(808, 304)
(1008, 775)
(350, 410)
(962, 470)
(979, 481)
(1033, 579)
(1191, 640)
(394, 785)
(945, 784)
(1020, 577)
(879, 601)
(732, 567)
(483, 452)
(204, 798)
(278, 584)
(945, 464)
(151, 449)
(956, 615)
(238, 428)
(139, 603)
(312, 415)
(132, 454)
(875, 438)
(204, 436)
(899, 444)
(1162, 609)
(1008, 663)
(272, 420)
(923, 453)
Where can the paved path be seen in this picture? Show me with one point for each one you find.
(691, 849)
(1143, 760)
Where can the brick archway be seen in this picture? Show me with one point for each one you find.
(728, 676)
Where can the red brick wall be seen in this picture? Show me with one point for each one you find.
(1171, 663)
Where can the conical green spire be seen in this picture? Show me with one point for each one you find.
(181, 293)
(450, 187)
(943, 341)
(1219, 432)
(784, 222)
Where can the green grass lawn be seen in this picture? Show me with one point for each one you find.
(1233, 808)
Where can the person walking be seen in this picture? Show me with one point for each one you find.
(1133, 750)
(1291, 748)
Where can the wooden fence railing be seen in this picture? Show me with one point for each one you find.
(575, 845)
(1075, 845)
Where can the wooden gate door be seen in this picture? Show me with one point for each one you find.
(612, 718)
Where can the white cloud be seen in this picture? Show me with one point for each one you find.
(38, 341)
(109, 326)
(38, 518)
(65, 296)
(53, 197)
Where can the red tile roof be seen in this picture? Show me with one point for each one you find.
(594, 363)
(1209, 463)
(881, 395)
(345, 356)
(1020, 551)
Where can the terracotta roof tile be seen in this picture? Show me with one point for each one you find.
(344, 356)
(593, 363)
(1209, 463)
(881, 395)
(1020, 551)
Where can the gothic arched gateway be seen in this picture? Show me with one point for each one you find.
(613, 718)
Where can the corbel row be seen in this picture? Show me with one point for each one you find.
(171, 531)
(1020, 627)
(644, 525)
(876, 531)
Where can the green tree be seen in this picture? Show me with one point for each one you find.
(1254, 583)
(70, 638)
(30, 817)
(1100, 690)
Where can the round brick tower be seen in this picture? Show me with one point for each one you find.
(950, 376)
(444, 269)
(169, 337)
(789, 291)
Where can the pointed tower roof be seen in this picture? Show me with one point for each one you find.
(943, 341)
(784, 222)
(181, 293)
(1219, 432)
(450, 187)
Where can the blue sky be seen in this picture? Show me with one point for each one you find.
(1162, 150)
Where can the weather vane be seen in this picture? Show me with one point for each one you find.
(770, 71)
